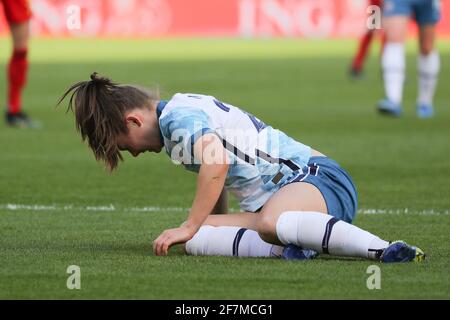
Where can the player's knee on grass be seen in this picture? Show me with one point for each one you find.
(196, 245)
(267, 229)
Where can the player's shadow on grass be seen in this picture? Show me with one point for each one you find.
(324, 257)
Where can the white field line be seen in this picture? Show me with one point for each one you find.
(112, 208)
(71, 207)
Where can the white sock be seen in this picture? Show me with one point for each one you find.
(428, 67)
(230, 241)
(393, 63)
(324, 233)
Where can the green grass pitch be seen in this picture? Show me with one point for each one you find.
(59, 208)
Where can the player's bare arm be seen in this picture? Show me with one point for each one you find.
(221, 206)
(210, 183)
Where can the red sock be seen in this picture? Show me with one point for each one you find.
(362, 51)
(17, 76)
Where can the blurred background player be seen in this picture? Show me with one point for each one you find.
(18, 15)
(357, 67)
(396, 14)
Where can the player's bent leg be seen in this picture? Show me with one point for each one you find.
(292, 217)
(232, 235)
(230, 241)
(336, 237)
(302, 199)
(297, 196)
(329, 235)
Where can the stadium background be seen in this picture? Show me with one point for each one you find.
(232, 18)
(286, 61)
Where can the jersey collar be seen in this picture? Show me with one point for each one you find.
(159, 109)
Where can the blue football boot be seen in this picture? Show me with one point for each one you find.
(292, 252)
(389, 108)
(400, 251)
(425, 111)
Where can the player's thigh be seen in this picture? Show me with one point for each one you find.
(395, 28)
(243, 219)
(427, 36)
(298, 196)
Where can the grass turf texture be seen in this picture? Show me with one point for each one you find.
(298, 86)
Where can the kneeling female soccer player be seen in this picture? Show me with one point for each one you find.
(296, 201)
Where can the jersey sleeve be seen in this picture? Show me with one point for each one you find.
(184, 126)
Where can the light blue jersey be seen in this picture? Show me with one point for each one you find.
(262, 159)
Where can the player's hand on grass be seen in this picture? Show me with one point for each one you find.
(171, 237)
